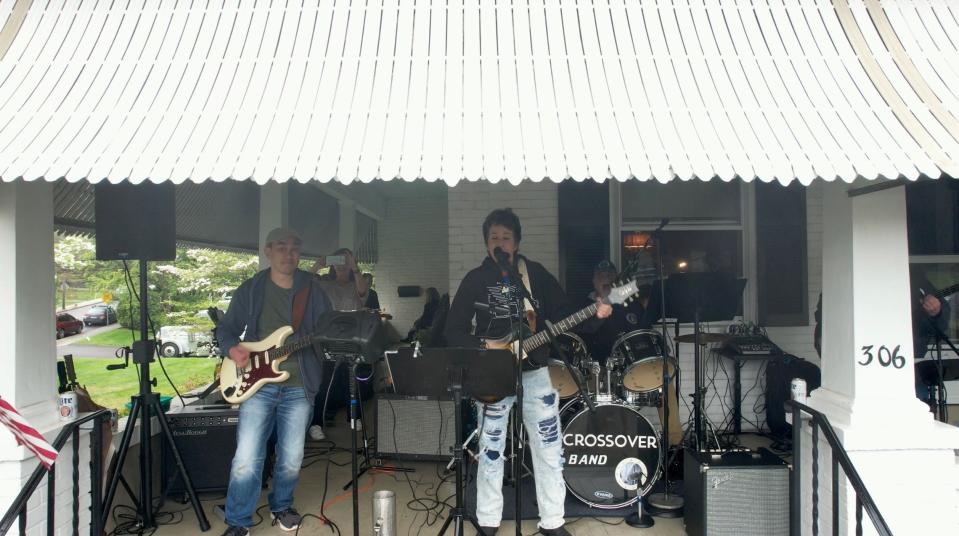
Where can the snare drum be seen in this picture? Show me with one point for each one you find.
(595, 443)
(642, 355)
(558, 373)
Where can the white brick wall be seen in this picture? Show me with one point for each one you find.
(14, 475)
(536, 204)
(413, 251)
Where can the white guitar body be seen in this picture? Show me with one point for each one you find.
(238, 384)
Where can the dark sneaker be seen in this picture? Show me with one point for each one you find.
(288, 520)
(488, 531)
(558, 531)
(236, 531)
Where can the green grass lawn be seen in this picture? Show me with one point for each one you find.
(113, 388)
(116, 338)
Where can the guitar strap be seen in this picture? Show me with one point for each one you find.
(299, 305)
(524, 275)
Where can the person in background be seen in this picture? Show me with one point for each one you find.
(372, 298)
(425, 321)
(348, 290)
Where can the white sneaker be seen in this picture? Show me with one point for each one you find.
(316, 433)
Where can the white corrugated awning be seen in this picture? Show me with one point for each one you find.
(496, 90)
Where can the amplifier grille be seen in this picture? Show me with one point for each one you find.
(747, 501)
(415, 428)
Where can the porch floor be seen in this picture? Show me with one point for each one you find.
(314, 480)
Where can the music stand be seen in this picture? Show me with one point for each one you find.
(702, 297)
(472, 372)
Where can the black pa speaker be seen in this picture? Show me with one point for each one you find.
(135, 221)
(357, 334)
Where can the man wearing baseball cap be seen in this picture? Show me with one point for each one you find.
(260, 306)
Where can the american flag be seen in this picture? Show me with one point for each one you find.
(27, 435)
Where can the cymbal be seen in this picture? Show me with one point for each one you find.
(704, 338)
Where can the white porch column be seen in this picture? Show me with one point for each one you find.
(347, 227)
(274, 212)
(904, 456)
(28, 348)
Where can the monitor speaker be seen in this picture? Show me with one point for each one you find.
(135, 221)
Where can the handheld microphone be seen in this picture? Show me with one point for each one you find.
(501, 256)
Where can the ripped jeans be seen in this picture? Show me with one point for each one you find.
(541, 417)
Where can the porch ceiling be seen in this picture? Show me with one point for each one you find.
(191, 91)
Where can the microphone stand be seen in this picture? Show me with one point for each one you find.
(664, 504)
(520, 357)
(940, 385)
(519, 300)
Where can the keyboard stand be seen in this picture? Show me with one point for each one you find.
(738, 362)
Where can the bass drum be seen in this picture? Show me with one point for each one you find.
(558, 373)
(595, 443)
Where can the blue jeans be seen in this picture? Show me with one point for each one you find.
(288, 409)
(541, 417)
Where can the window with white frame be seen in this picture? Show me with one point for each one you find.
(704, 232)
(753, 231)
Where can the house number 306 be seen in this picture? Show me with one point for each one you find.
(883, 355)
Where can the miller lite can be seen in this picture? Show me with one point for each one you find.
(67, 406)
(798, 390)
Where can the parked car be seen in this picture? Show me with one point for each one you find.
(68, 324)
(101, 315)
(177, 341)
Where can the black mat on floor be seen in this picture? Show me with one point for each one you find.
(574, 507)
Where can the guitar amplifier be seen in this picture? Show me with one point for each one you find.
(418, 428)
(736, 494)
(206, 439)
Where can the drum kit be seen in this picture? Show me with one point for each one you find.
(594, 443)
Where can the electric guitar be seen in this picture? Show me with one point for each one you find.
(238, 384)
(617, 295)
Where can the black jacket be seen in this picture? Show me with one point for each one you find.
(486, 285)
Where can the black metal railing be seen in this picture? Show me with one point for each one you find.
(72, 430)
(839, 459)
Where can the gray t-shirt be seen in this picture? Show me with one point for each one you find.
(343, 297)
(275, 314)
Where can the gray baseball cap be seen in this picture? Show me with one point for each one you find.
(282, 233)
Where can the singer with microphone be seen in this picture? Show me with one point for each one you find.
(498, 282)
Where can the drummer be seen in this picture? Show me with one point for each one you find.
(623, 320)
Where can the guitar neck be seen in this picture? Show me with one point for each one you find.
(290, 347)
(539, 339)
(947, 291)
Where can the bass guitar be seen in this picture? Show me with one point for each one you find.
(617, 295)
(240, 383)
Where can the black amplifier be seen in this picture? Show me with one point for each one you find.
(206, 439)
(736, 494)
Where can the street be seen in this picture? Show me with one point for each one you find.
(67, 345)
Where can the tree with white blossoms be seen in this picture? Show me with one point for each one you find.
(197, 279)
